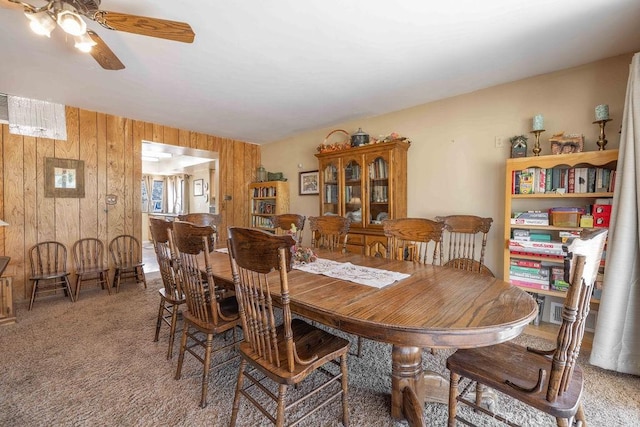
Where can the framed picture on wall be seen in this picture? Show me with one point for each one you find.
(63, 177)
(198, 187)
(309, 183)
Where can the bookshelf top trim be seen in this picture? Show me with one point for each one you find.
(594, 158)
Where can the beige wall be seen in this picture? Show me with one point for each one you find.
(454, 166)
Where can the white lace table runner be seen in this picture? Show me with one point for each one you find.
(354, 273)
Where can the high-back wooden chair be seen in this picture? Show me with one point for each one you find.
(414, 239)
(283, 224)
(329, 232)
(49, 265)
(206, 315)
(204, 218)
(126, 254)
(286, 353)
(549, 381)
(171, 296)
(88, 258)
(465, 240)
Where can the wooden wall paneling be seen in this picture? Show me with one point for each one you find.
(148, 132)
(171, 136)
(14, 206)
(193, 140)
(136, 196)
(158, 133)
(115, 174)
(129, 176)
(225, 186)
(239, 190)
(184, 137)
(102, 162)
(46, 205)
(88, 152)
(30, 200)
(201, 141)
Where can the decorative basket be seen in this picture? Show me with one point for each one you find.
(327, 146)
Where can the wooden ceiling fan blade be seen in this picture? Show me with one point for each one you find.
(103, 54)
(152, 27)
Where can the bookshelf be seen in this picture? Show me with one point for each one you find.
(267, 199)
(367, 184)
(542, 199)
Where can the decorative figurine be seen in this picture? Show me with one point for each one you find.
(519, 146)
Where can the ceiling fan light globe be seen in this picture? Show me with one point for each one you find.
(84, 43)
(41, 23)
(71, 23)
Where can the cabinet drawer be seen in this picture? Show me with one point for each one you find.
(355, 239)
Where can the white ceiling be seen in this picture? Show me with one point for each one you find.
(260, 71)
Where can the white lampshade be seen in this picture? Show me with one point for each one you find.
(71, 23)
(41, 23)
(84, 43)
(3, 224)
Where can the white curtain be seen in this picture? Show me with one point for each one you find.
(616, 344)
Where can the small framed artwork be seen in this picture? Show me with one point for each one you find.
(198, 187)
(157, 205)
(63, 177)
(309, 183)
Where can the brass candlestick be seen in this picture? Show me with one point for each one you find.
(602, 141)
(536, 148)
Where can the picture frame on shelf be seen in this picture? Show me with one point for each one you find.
(198, 187)
(309, 183)
(63, 178)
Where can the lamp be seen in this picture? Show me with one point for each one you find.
(84, 43)
(3, 224)
(71, 22)
(41, 23)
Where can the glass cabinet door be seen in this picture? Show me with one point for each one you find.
(353, 192)
(378, 190)
(329, 190)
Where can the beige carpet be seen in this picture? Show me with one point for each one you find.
(93, 363)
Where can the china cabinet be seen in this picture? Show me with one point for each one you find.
(366, 184)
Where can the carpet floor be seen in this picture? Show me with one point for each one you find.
(94, 363)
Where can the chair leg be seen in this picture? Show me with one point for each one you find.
(580, 418)
(480, 389)
(183, 345)
(453, 403)
(78, 281)
(236, 398)
(345, 391)
(67, 285)
(33, 294)
(172, 331)
(205, 373)
(116, 280)
(282, 392)
(104, 278)
(359, 346)
(159, 319)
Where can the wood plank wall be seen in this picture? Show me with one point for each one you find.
(110, 148)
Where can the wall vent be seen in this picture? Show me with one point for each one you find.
(4, 109)
(556, 317)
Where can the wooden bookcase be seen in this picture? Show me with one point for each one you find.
(267, 199)
(542, 201)
(367, 184)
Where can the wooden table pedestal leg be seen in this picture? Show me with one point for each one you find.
(407, 390)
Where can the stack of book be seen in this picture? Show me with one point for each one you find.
(529, 274)
(530, 218)
(549, 249)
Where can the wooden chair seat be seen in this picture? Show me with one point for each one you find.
(126, 254)
(228, 308)
(52, 275)
(309, 342)
(48, 261)
(495, 365)
(88, 257)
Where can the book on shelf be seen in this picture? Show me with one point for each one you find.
(525, 263)
(529, 284)
(528, 235)
(550, 257)
(541, 273)
(550, 248)
(530, 218)
(562, 179)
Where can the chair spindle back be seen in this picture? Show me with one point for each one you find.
(414, 239)
(329, 232)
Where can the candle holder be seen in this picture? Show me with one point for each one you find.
(602, 141)
(536, 148)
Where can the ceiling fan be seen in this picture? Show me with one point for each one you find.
(68, 15)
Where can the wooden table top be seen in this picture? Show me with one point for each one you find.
(435, 307)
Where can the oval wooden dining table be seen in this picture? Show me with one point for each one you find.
(434, 307)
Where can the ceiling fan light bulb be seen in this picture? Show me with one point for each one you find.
(41, 23)
(84, 43)
(71, 23)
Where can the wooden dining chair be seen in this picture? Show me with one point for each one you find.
(206, 316)
(171, 296)
(414, 239)
(88, 258)
(49, 269)
(329, 232)
(549, 381)
(204, 218)
(465, 241)
(126, 254)
(283, 224)
(287, 353)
